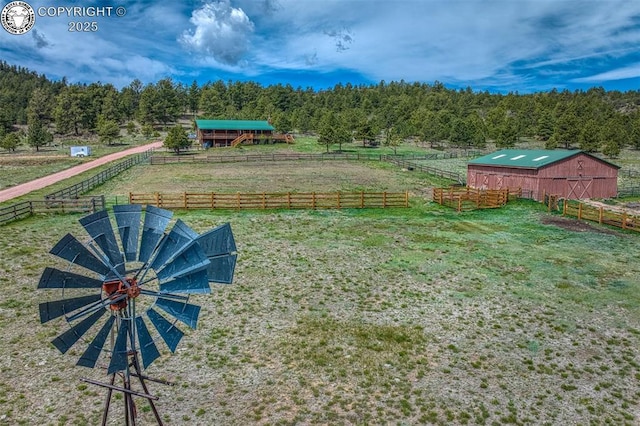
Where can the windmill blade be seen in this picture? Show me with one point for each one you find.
(197, 282)
(175, 242)
(55, 309)
(155, 222)
(91, 354)
(69, 248)
(184, 312)
(171, 296)
(148, 348)
(128, 221)
(67, 339)
(169, 333)
(222, 268)
(99, 227)
(55, 278)
(189, 260)
(119, 359)
(220, 248)
(218, 241)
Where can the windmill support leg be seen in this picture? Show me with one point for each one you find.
(107, 403)
(138, 374)
(128, 393)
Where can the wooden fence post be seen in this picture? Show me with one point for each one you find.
(459, 204)
(313, 200)
(157, 199)
(130, 198)
(361, 198)
(264, 201)
(384, 199)
(238, 199)
(213, 201)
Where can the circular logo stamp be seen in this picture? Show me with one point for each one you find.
(18, 17)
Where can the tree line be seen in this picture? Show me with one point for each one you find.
(34, 108)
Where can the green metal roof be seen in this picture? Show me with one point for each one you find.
(529, 158)
(234, 125)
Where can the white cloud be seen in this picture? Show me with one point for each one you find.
(632, 71)
(451, 41)
(222, 32)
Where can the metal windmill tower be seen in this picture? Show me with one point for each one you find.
(133, 291)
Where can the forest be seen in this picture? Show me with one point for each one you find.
(35, 109)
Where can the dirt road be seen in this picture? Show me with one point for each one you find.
(25, 188)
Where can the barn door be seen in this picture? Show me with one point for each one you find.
(579, 188)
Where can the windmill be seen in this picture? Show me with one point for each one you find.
(132, 291)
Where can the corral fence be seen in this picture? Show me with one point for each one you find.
(26, 209)
(86, 185)
(628, 191)
(466, 199)
(200, 159)
(289, 200)
(410, 165)
(630, 173)
(600, 214)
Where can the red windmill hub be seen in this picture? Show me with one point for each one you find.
(115, 289)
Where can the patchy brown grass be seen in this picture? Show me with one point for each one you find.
(415, 316)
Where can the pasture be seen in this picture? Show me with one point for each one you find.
(405, 316)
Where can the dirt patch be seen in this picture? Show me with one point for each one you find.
(574, 225)
(629, 208)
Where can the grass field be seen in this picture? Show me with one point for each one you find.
(399, 316)
(26, 164)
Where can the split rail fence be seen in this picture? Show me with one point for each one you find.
(86, 185)
(601, 215)
(465, 198)
(25, 209)
(289, 200)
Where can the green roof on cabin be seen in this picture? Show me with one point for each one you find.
(529, 158)
(234, 125)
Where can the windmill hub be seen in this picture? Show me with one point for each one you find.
(116, 289)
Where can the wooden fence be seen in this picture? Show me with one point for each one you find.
(86, 185)
(465, 198)
(410, 165)
(200, 159)
(289, 200)
(29, 208)
(628, 191)
(601, 215)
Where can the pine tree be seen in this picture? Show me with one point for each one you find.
(10, 141)
(177, 139)
(107, 129)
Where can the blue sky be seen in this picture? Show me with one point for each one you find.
(496, 45)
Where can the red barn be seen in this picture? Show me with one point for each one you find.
(570, 174)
